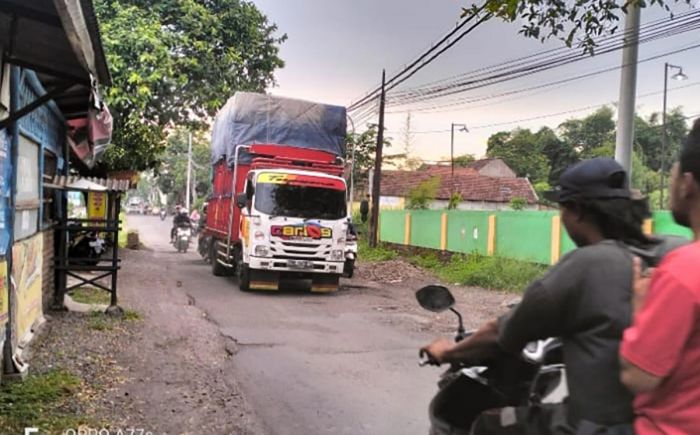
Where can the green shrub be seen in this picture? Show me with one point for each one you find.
(380, 253)
(481, 271)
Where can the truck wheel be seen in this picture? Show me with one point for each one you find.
(243, 277)
(217, 269)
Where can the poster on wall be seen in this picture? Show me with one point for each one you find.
(27, 257)
(97, 205)
(4, 302)
(4, 191)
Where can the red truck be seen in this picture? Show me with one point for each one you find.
(278, 209)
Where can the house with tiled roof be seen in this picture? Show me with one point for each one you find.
(484, 185)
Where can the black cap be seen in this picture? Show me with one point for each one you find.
(599, 178)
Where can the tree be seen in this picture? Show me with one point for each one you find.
(521, 151)
(175, 63)
(579, 22)
(464, 160)
(365, 149)
(420, 196)
(649, 135)
(560, 154)
(173, 179)
(588, 135)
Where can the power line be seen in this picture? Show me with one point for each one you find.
(519, 61)
(552, 115)
(475, 82)
(373, 94)
(580, 76)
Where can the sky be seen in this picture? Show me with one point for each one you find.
(336, 50)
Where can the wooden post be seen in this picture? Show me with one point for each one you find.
(556, 239)
(491, 247)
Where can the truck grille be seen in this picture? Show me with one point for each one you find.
(301, 250)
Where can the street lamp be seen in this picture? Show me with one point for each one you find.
(664, 134)
(462, 127)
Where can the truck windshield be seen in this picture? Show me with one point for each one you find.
(294, 199)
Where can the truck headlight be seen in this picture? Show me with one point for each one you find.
(337, 255)
(261, 251)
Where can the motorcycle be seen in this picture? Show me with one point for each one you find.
(183, 235)
(350, 254)
(535, 378)
(204, 246)
(162, 214)
(87, 248)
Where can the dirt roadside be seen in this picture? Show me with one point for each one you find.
(171, 371)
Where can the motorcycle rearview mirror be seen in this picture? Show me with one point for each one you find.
(435, 298)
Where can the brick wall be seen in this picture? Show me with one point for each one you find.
(48, 269)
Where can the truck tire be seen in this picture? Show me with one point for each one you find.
(217, 269)
(244, 277)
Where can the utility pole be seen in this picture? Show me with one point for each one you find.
(628, 89)
(462, 127)
(189, 171)
(377, 179)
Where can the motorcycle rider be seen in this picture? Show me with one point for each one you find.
(584, 300)
(180, 219)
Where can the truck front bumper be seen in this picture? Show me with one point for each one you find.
(287, 265)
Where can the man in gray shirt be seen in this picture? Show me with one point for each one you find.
(584, 299)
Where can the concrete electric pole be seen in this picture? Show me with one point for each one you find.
(628, 89)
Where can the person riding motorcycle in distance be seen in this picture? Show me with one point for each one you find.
(181, 218)
(584, 300)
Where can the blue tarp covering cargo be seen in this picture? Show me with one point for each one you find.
(249, 118)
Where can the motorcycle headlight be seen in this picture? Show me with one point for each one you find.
(337, 255)
(261, 251)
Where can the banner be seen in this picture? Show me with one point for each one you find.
(5, 190)
(97, 205)
(27, 257)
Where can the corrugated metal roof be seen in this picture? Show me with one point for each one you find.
(83, 183)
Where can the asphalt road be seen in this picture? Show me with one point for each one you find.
(342, 363)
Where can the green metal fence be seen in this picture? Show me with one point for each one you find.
(535, 236)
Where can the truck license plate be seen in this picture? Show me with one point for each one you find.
(300, 264)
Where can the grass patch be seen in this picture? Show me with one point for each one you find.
(90, 295)
(481, 271)
(100, 321)
(380, 253)
(131, 315)
(44, 401)
(123, 232)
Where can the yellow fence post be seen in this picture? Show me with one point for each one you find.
(491, 247)
(407, 230)
(556, 239)
(443, 232)
(648, 226)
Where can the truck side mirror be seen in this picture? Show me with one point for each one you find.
(241, 200)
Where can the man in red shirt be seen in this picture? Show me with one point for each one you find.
(660, 352)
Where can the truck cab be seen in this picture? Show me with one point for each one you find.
(293, 222)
